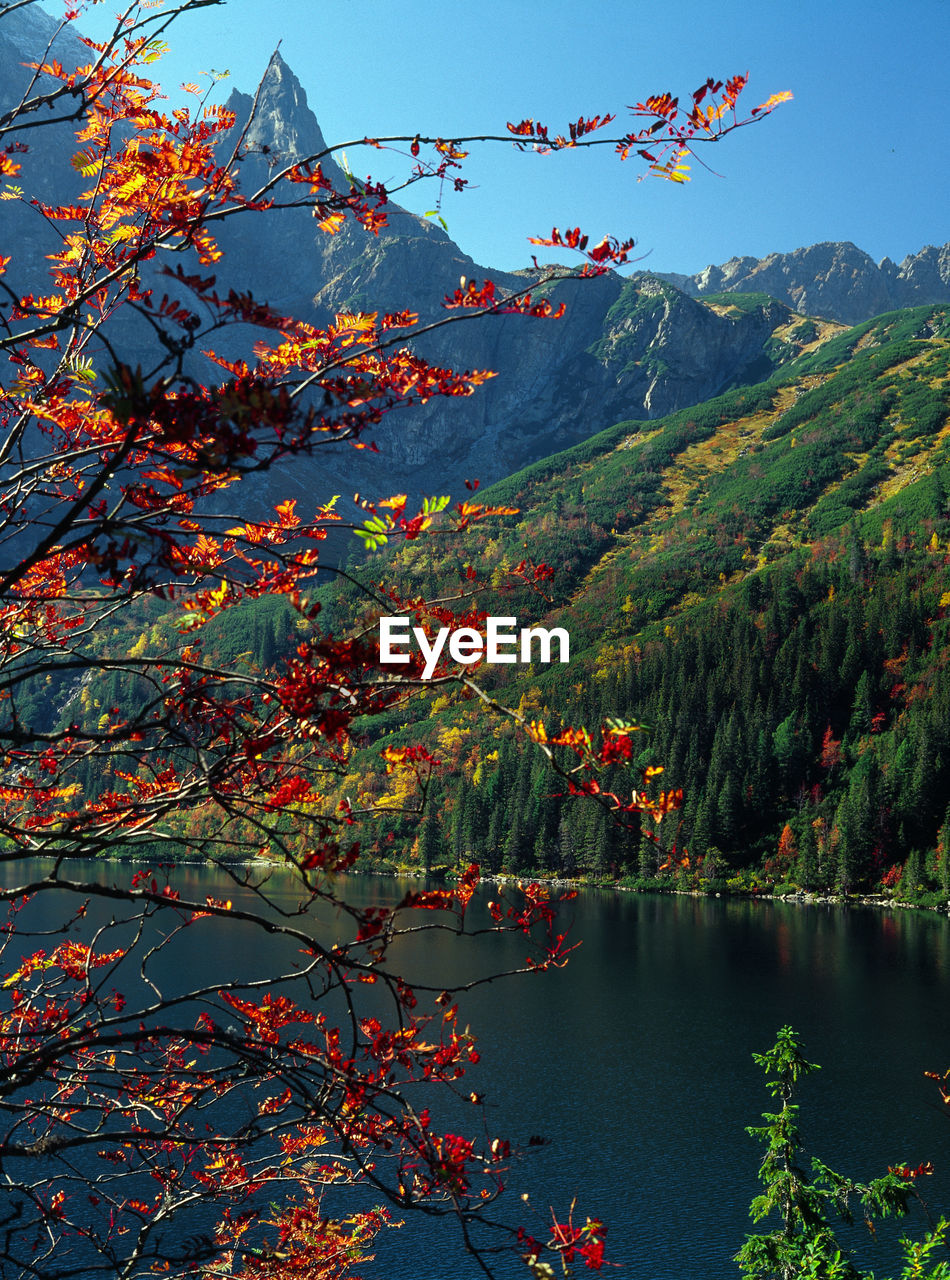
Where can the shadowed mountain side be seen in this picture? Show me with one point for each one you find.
(623, 349)
(636, 348)
(31, 35)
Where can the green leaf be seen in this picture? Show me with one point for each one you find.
(434, 213)
(371, 538)
(432, 506)
(80, 370)
(154, 50)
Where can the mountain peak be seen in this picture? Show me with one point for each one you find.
(283, 127)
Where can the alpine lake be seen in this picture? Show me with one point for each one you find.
(634, 1061)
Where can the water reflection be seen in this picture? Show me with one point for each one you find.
(635, 1060)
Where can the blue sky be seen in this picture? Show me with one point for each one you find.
(861, 154)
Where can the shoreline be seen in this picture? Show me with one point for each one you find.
(801, 897)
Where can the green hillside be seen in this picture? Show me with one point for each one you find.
(762, 580)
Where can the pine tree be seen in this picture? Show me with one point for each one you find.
(803, 1242)
(514, 853)
(909, 888)
(862, 707)
(856, 822)
(431, 836)
(567, 845)
(728, 813)
(943, 867)
(806, 870)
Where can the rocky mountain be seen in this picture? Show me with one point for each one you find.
(833, 279)
(31, 35)
(624, 348)
(640, 347)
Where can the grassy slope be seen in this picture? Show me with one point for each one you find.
(652, 527)
(663, 533)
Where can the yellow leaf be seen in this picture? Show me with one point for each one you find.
(331, 223)
(774, 100)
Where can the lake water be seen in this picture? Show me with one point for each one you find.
(635, 1062)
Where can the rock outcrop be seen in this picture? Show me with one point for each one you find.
(625, 349)
(834, 279)
(635, 348)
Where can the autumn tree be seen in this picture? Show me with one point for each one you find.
(155, 1118)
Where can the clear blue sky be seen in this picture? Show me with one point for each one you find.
(862, 154)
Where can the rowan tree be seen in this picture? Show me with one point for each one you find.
(151, 1114)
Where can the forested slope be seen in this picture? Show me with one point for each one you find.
(760, 580)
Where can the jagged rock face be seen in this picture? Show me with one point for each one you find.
(666, 351)
(45, 170)
(626, 349)
(926, 275)
(557, 382)
(833, 279)
(282, 121)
